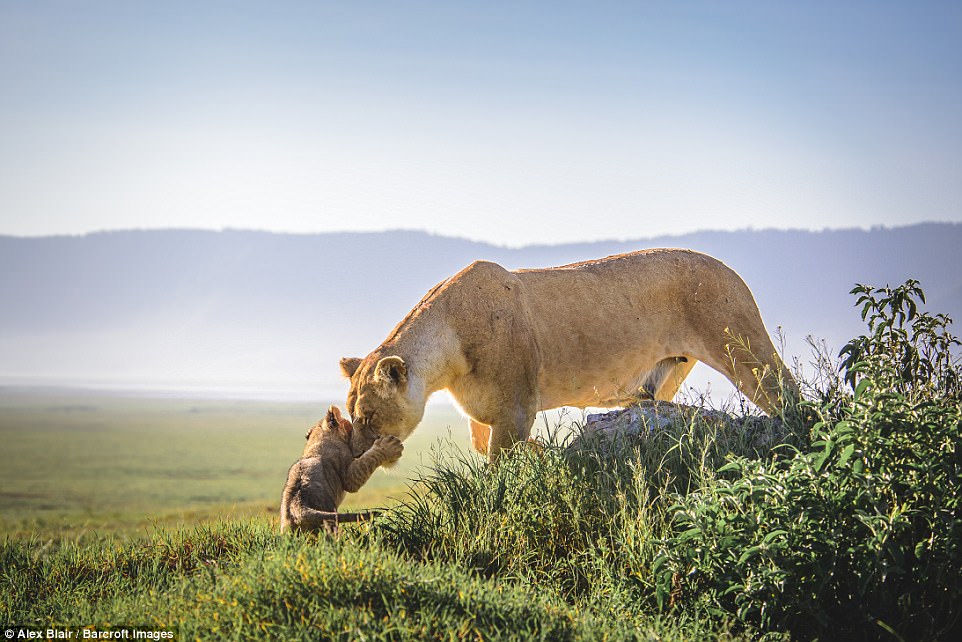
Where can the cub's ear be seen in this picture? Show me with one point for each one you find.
(392, 371)
(332, 420)
(336, 422)
(349, 366)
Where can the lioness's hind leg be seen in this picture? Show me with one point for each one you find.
(480, 436)
(673, 377)
(752, 364)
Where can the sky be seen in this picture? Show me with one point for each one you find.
(507, 122)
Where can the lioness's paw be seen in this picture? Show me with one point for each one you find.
(388, 447)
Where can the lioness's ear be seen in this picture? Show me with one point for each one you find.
(391, 370)
(349, 366)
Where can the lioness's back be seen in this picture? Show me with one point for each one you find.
(646, 291)
(605, 320)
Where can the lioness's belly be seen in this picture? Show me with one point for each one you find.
(614, 383)
(601, 328)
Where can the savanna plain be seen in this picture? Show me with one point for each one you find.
(839, 519)
(82, 465)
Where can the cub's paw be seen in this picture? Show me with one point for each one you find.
(388, 447)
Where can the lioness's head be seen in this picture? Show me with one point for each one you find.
(379, 401)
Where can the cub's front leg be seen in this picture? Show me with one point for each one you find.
(386, 449)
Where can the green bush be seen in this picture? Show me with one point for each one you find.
(859, 533)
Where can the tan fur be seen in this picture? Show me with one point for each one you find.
(600, 333)
(317, 482)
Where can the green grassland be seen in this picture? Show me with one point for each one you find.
(87, 463)
(841, 519)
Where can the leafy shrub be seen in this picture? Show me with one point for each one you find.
(905, 352)
(860, 532)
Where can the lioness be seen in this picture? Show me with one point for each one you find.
(599, 333)
(316, 483)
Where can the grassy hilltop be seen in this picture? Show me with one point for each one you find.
(839, 520)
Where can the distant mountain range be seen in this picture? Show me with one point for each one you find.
(270, 314)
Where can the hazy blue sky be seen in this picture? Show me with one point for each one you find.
(514, 122)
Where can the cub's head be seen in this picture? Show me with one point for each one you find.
(332, 426)
(379, 399)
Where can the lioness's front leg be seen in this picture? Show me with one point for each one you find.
(503, 437)
(506, 432)
(386, 449)
(480, 436)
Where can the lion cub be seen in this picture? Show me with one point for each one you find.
(316, 483)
